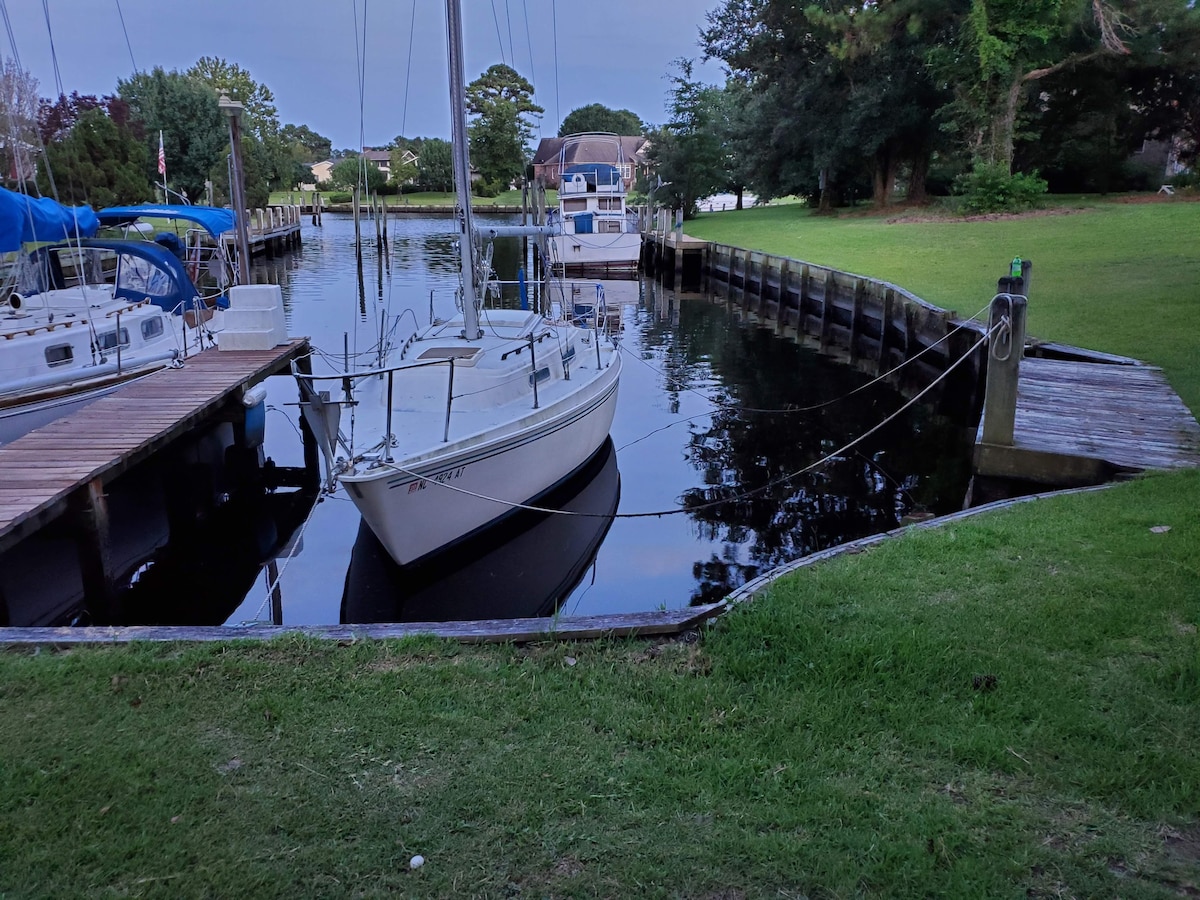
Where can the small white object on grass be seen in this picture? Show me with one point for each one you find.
(416, 862)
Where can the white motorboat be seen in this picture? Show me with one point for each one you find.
(597, 233)
(471, 417)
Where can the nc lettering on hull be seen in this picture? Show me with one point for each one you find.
(439, 478)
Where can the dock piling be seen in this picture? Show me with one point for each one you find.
(1005, 349)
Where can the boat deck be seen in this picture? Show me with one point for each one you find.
(1093, 418)
(42, 470)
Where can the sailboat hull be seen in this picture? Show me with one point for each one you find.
(443, 499)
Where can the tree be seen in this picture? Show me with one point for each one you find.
(690, 154)
(500, 99)
(597, 117)
(97, 161)
(1003, 48)
(352, 172)
(403, 167)
(256, 164)
(18, 113)
(195, 133)
(309, 146)
(831, 94)
(435, 165)
(56, 118)
(261, 118)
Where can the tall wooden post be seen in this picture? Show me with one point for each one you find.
(233, 110)
(378, 224)
(1005, 348)
(312, 452)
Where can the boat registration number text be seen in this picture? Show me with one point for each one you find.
(438, 478)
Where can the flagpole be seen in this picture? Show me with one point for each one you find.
(162, 167)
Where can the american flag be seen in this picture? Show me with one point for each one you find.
(162, 156)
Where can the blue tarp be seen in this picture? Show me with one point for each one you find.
(595, 173)
(583, 223)
(213, 220)
(25, 220)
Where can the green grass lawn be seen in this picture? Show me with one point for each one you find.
(1005, 707)
(1119, 277)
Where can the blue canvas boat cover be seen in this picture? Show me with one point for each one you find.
(595, 173)
(213, 220)
(25, 220)
(145, 271)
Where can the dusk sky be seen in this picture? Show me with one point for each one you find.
(616, 53)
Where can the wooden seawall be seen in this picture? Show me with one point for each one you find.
(1070, 416)
(873, 325)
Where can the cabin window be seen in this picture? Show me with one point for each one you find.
(574, 205)
(152, 328)
(59, 355)
(542, 374)
(609, 202)
(108, 340)
(607, 226)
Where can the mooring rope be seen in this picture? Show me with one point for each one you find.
(964, 324)
(742, 496)
(296, 543)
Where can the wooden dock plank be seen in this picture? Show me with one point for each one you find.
(39, 470)
(1115, 414)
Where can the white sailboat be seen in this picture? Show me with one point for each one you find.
(474, 415)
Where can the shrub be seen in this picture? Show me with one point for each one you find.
(1185, 180)
(339, 197)
(485, 188)
(990, 188)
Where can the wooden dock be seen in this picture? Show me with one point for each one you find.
(271, 230)
(65, 465)
(1083, 422)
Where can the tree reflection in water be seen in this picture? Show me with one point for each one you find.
(747, 503)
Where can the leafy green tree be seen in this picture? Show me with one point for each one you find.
(598, 117)
(435, 165)
(261, 118)
(97, 161)
(403, 167)
(256, 167)
(1004, 48)
(351, 172)
(195, 133)
(309, 147)
(400, 142)
(501, 101)
(830, 94)
(692, 154)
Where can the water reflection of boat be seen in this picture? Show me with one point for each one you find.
(525, 565)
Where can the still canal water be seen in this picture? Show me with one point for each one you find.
(709, 410)
(712, 417)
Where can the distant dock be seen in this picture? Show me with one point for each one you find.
(273, 230)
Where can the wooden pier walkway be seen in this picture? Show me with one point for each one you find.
(42, 473)
(1081, 422)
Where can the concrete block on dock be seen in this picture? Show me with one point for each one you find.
(255, 319)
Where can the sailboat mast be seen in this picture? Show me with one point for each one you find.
(462, 168)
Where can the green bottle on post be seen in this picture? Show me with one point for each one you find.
(1015, 271)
